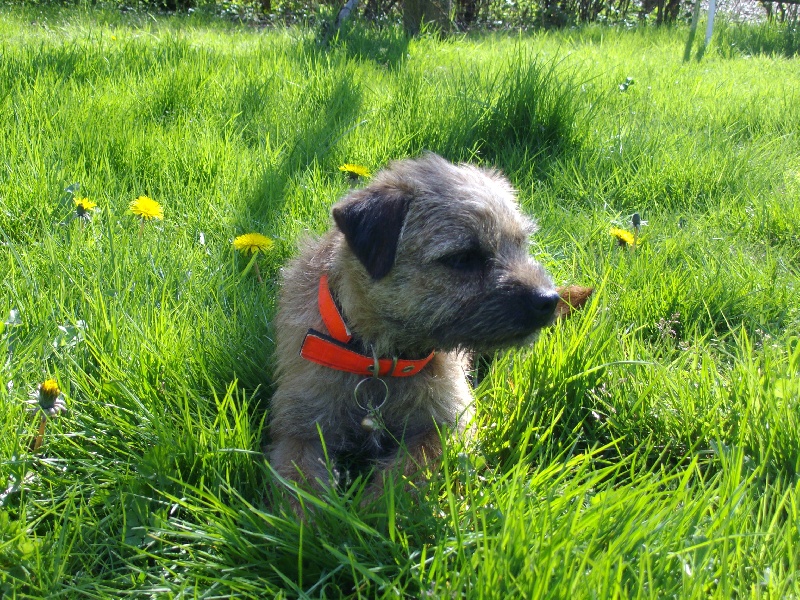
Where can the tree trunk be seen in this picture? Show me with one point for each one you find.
(417, 12)
(344, 13)
(468, 12)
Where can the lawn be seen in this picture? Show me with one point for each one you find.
(647, 447)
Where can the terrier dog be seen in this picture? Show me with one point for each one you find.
(376, 320)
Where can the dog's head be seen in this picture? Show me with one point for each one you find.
(440, 252)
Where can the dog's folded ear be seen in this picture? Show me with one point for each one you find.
(371, 221)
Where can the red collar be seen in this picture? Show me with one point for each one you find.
(334, 350)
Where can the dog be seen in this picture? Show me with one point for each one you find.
(376, 320)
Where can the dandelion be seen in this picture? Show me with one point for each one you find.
(355, 171)
(48, 400)
(146, 208)
(253, 243)
(84, 207)
(623, 237)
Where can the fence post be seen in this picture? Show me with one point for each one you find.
(712, 7)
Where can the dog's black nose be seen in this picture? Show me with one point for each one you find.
(541, 307)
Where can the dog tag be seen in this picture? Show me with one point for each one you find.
(373, 420)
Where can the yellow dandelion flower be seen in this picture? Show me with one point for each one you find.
(252, 243)
(355, 171)
(50, 387)
(48, 399)
(84, 207)
(625, 238)
(146, 208)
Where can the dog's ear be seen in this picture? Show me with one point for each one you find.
(371, 221)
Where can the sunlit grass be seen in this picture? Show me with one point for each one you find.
(649, 446)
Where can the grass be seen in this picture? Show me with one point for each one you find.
(648, 447)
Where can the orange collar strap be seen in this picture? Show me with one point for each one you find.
(334, 351)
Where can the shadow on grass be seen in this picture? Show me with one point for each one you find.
(268, 207)
(387, 47)
(770, 38)
(336, 112)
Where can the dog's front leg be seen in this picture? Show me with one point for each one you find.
(421, 453)
(417, 455)
(300, 460)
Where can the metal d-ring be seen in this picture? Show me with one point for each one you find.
(373, 421)
(371, 409)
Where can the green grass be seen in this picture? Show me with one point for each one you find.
(648, 447)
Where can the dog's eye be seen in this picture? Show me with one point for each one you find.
(472, 259)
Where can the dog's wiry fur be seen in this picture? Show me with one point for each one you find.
(429, 256)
